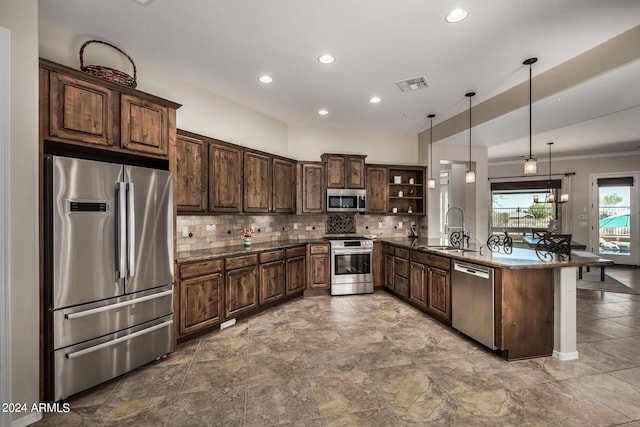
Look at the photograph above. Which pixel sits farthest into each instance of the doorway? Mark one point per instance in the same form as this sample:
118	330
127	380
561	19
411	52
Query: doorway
614	216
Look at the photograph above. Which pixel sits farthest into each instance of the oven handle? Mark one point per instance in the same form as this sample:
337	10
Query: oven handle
117	340
351	251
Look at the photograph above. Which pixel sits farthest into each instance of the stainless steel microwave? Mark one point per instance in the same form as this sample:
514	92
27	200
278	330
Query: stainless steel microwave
347	200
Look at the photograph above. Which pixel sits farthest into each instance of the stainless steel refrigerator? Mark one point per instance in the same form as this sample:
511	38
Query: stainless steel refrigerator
108	283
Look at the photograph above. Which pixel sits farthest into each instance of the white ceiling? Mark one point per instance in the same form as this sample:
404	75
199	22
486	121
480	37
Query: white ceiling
224	46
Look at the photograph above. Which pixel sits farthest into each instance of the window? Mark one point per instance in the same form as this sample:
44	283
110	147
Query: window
514	210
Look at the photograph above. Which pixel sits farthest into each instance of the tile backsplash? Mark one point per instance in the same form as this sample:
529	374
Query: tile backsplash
194	232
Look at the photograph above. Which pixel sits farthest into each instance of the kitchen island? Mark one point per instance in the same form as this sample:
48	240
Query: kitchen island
534	300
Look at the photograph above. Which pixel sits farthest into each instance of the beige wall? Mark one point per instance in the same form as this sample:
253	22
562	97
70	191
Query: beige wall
580	183
212	115
21	17
308	143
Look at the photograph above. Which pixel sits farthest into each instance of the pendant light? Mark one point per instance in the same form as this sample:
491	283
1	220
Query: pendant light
431	182
531	164
551	198
470	175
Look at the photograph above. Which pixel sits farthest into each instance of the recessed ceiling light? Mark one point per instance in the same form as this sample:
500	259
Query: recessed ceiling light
144	3
456	15
265	79
326	59
375	100
323	112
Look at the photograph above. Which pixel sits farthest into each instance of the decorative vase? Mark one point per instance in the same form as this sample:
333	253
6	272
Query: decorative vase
247	241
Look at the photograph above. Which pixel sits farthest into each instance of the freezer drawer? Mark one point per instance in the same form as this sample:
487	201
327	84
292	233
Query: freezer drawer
88	321
88	364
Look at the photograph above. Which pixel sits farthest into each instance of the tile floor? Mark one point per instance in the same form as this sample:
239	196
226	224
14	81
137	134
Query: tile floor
372	360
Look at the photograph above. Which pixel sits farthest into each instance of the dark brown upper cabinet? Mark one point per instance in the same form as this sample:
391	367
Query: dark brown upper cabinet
257	183
310	188
225	178
284	186
344	171
81	109
377	190
190	175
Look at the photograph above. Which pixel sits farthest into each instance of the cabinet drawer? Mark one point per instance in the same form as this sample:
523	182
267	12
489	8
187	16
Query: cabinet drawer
439	261
318	249
200	268
389	250
431	260
402	267
402	253
299	251
240	261
271	256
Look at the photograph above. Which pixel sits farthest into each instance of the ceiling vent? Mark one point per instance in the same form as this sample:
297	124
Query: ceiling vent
415	83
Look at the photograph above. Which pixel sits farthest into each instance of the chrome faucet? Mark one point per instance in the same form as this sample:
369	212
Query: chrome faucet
446	218
460	236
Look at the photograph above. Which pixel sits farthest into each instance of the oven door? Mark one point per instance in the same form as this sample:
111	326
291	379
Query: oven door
351	265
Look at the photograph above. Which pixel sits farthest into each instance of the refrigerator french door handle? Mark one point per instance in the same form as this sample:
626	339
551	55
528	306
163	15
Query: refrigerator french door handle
121	188
117	340
132	230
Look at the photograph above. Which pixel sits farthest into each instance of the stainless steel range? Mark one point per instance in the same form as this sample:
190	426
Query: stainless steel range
351	263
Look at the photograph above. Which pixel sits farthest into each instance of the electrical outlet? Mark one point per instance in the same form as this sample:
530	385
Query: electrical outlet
185	231
399	224
295	225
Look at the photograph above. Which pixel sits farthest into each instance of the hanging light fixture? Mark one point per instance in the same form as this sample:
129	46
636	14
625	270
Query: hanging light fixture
431	182
470	175
531	164
551	198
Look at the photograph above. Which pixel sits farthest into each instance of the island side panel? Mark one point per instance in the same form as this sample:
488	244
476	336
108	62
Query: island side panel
527	313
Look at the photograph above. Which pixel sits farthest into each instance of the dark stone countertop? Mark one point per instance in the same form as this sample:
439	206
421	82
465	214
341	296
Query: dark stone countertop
520	258
225	251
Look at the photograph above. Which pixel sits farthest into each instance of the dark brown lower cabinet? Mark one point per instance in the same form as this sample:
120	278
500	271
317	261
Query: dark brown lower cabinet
418	284
440	293
241	294
319	267
388	271
272	276
201	302
296	270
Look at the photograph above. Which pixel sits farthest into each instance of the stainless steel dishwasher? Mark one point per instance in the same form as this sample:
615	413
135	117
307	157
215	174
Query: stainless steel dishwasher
472	303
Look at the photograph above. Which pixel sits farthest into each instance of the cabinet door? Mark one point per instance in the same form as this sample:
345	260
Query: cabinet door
225	179
389	271
354	172
201	302
319	271
80	111
257	183
418	284
440	293
296	277
335	172
284	186
272	281
190	177
144	126
377	190
312	188
241	290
